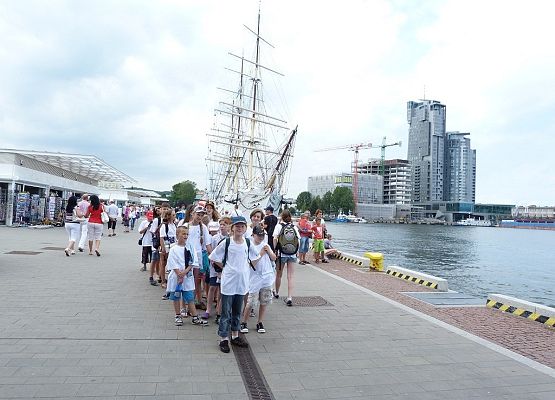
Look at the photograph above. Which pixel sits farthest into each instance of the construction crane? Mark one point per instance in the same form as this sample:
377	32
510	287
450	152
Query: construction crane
383	146
355	148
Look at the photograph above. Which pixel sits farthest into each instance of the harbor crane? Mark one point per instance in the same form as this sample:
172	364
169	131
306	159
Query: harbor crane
356	148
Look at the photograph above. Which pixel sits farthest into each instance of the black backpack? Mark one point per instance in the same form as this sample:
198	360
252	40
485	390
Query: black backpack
227	242
156	235
288	241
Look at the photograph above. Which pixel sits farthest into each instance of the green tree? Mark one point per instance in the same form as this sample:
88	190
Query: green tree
183	193
342	199
327	203
303	201
315	204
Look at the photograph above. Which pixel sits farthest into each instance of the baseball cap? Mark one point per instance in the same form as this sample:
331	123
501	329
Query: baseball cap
269	208
238	220
258	230
200	209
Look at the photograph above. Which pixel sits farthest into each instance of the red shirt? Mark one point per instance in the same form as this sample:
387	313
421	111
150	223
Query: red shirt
318	231
305	227
95	215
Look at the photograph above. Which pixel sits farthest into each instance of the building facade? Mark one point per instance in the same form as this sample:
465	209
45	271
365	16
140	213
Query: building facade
426	149
396	179
460	168
370	187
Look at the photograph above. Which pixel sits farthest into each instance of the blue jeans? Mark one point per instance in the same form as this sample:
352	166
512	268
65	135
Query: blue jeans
303	247
232	305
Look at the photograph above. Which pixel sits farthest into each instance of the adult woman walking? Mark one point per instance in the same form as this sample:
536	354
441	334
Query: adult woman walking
95	224
72	219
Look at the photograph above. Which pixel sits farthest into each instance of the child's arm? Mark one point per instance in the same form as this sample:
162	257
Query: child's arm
270	253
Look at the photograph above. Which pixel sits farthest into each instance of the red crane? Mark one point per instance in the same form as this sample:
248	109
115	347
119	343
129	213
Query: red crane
355	148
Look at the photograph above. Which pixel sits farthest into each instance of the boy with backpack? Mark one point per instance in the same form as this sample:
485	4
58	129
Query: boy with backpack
235	256
286	242
181	283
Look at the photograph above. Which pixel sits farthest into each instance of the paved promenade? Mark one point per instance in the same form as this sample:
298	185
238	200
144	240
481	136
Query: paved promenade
92	328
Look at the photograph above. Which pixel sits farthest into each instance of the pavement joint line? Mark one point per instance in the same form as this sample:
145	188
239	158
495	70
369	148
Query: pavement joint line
486	343
89	339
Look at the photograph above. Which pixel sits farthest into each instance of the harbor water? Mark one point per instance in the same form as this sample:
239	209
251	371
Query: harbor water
474	260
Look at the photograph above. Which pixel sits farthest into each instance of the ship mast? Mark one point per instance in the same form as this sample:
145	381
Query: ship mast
256	81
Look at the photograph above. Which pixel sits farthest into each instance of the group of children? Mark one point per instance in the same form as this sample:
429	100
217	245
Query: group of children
204	254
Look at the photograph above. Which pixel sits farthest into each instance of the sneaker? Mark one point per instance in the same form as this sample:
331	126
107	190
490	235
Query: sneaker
224	346
184	313
253	313
325	261
166	296
260	328
143	268
217	320
239	342
199	321
80	249
289	301
244	328
205	315
152	281
306	262
276	295
178	320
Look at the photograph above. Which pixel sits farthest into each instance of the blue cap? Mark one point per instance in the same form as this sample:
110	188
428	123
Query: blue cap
238	220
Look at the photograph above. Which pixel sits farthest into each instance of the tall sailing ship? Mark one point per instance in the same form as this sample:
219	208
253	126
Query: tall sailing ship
250	146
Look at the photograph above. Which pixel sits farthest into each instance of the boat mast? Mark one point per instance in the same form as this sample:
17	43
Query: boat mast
256	81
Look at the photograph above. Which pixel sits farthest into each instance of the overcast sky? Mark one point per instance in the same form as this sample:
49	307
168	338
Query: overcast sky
134	82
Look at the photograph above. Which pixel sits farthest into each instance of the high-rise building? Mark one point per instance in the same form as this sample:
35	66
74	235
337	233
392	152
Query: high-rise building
460	168
396	179
426	150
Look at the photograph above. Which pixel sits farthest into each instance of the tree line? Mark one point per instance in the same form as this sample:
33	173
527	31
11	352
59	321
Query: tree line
184	193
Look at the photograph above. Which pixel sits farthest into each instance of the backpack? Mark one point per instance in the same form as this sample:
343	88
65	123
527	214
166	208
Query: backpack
227	242
288	242
156	235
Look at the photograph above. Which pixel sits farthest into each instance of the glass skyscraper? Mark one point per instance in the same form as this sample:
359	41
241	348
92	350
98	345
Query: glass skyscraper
426	150
460	168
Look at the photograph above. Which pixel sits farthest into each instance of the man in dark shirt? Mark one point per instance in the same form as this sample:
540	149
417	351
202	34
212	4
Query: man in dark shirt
270	222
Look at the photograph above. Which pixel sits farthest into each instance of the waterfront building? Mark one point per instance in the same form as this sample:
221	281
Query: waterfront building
34	185
460	169
370	187
534	212
426	149
396	179
455	211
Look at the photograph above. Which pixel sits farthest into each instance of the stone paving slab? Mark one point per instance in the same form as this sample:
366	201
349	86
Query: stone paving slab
91	327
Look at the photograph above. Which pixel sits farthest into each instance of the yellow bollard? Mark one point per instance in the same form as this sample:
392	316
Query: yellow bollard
376	260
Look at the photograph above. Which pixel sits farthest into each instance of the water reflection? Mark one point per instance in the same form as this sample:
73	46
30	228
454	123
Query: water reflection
475	260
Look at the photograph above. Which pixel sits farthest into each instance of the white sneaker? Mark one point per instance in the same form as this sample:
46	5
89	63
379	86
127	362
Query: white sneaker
244	328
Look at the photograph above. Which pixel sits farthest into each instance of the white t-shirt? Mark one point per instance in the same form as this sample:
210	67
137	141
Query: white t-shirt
169	237
235	275
216	239
147	237
264	275
176	260
194	239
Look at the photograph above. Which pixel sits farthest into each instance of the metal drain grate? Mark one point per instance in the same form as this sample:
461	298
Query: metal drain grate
310	301
255	383
52	248
24	253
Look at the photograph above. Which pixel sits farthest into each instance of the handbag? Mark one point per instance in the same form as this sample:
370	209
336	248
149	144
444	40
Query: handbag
104	217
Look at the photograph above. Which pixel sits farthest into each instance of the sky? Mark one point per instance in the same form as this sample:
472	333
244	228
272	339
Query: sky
135	82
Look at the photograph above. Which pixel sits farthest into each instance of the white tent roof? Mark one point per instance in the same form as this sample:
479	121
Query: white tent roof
85	165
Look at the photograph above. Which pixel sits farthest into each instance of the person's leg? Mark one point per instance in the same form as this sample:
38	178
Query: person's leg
198	293
225	319
210	297
154	266
290	280
90	246
236	308
83	239
279	273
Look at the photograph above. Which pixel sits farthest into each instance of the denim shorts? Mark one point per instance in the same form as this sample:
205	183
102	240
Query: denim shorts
285	258
188	296
214	281
155	255
303	246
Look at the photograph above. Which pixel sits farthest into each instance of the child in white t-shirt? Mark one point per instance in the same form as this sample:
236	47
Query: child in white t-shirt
181	283
261	281
235	280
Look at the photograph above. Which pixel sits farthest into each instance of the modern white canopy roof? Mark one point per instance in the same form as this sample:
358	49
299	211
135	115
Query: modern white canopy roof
85	165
